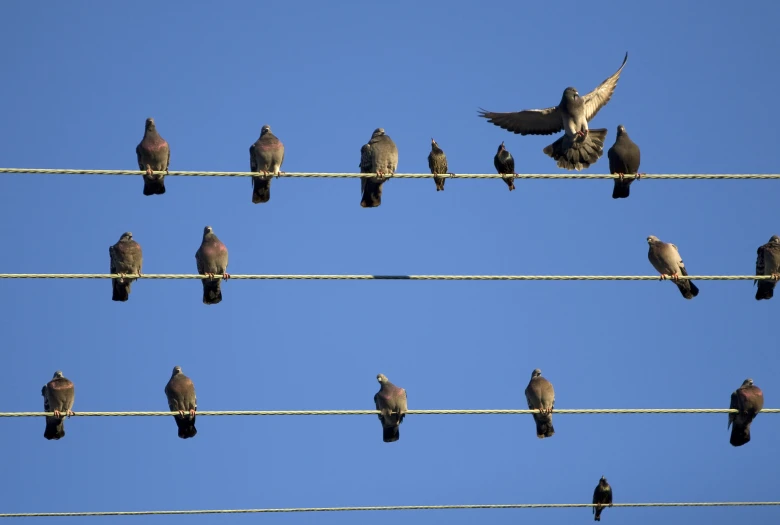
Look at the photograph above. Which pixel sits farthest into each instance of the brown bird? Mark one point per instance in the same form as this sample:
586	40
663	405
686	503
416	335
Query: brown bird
126	258
602	496
180	392
58	395
391	403
749	400
212	258
768	263
437	162
540	395
153	154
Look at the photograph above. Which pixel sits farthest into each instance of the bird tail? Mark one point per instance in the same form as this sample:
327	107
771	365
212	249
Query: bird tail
154	184
510	181
544	426
261	189
121	290
577	153
212	291
622	188
439	183
390	434
55	427
372	193
186	426
740	434
597	511
766	289
687	288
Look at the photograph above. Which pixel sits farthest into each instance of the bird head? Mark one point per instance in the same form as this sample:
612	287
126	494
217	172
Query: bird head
621	129
570	94
176	370
207	230
775	239
377	132
149	124
603	480
747	382
127	236
651	239
381	378
57	374
536	373
501	147
265	129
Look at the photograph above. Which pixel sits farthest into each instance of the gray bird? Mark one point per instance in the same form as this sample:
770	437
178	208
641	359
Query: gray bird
58	395
505	165
212	259
602	497
667	261
768	263
579	147
180	392
391	402
540	395
266	155
623	158
380	157
437	162
126	258
153	154
749	400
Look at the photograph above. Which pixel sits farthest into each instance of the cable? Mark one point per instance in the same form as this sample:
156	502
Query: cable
419	412
398	507
57	171
388	277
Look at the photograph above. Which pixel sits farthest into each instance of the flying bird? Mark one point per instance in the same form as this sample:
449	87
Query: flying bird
768	263
180	392
437	162
667	261
58	395
379	156
153	155
265	155
126	258
602	497
579	147
391	403
540	395
212	259
623	158
505	165
749	400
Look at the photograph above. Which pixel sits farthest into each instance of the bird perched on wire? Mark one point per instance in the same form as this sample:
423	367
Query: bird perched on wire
505	165
180	392
212	258
391	403
437	162
768	263
667	261
153	154
540	395
748	399
58	395
602	497
623	158
379	156
126	258
579	147
265	155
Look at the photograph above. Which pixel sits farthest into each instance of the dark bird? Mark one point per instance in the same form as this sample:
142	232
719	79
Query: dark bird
579	147
212	259
391	403
58	395
540	395
768	263
153	155
602	497
667	261
266	155
437	162
505	165
379	156
749	400
126	258
623	158
180	392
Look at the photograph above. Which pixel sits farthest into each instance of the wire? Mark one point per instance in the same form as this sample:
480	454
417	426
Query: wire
398	507
387	277
419	412
57	171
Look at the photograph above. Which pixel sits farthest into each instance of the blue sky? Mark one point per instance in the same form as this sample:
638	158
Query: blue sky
80	80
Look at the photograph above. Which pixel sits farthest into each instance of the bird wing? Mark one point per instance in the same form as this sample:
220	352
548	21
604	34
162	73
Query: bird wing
598	98
527	122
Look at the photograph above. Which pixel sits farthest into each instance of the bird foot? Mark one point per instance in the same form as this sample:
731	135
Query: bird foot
149	171
209	275
776	276
166	171
380	177
674	277
639	176
452	175
663	277
121	277
181	412
280	173
581	133
57	413
620	176
71	413
225	276
192	412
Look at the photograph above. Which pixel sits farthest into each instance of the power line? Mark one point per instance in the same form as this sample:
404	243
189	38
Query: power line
581	176
386	508
410	412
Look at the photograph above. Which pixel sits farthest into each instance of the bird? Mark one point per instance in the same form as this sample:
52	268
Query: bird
153	154
602	496
505	165
749	400
437	162
58	397
212	259
579	147
768	263
391	403
623	158
265	155
180	392
540	395
380	156
126	258
667	261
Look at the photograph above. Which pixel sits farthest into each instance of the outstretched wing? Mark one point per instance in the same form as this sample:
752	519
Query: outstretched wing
598	98
527	122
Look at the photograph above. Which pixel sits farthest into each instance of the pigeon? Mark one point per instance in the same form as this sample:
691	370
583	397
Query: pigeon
579	147
749	400
505	165
623	158
379	156
391	403
58	398
540	394
126	258
602	496
265	155
768	263
212	258
180	392
437	162
153	155
666	259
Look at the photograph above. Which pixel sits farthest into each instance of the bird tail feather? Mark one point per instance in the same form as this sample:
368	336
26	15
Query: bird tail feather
578	153
544	426
622	188
740	434
154	184
261	189
390	434
439	183
372	193
55	428
212	291
186	426
766	290
121	290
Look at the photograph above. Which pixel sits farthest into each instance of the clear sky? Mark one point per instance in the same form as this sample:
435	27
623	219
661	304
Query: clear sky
696	95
